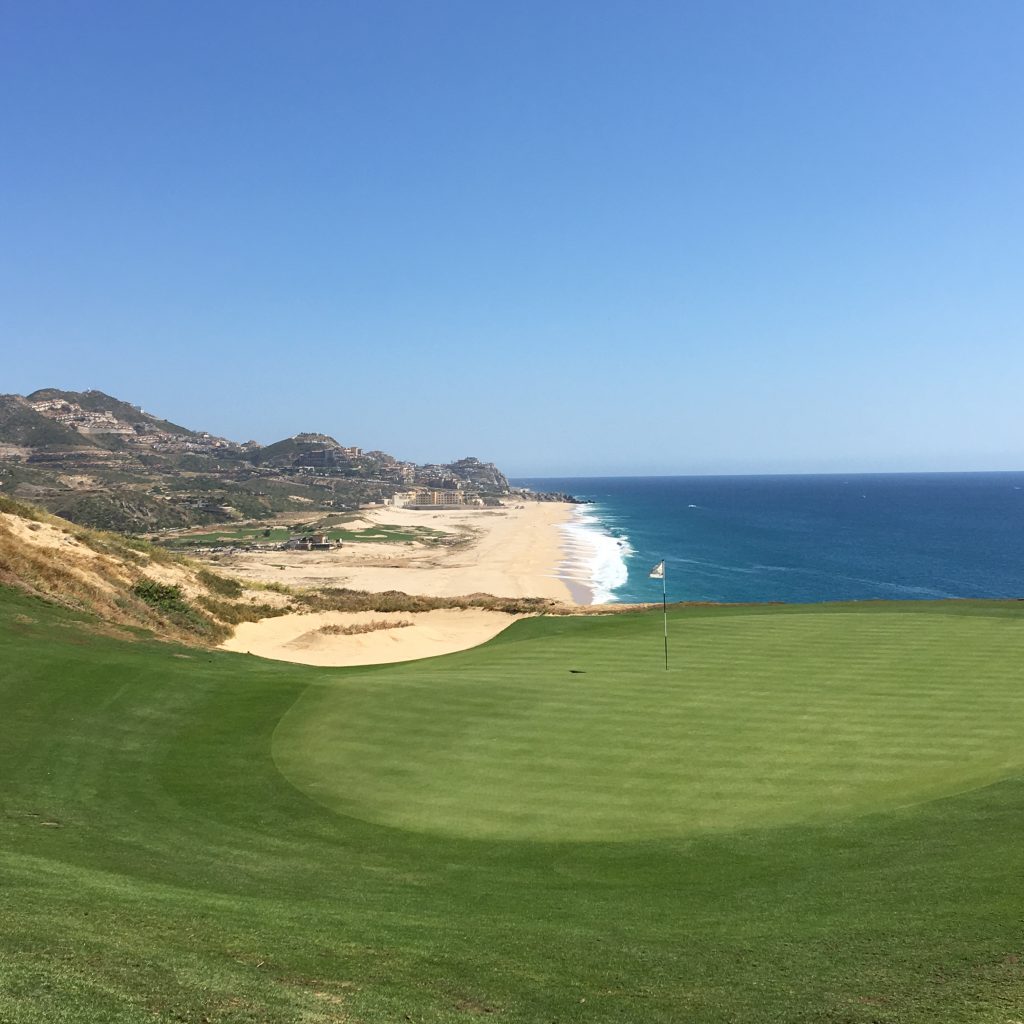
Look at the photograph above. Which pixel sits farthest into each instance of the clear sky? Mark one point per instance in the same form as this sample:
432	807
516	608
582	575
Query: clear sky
571	236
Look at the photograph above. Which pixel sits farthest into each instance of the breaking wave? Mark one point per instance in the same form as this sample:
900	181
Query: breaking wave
595	557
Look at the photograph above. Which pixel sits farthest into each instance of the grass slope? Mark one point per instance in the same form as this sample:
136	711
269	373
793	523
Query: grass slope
157	866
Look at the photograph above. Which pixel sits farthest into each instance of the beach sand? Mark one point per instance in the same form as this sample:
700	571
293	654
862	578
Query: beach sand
506	552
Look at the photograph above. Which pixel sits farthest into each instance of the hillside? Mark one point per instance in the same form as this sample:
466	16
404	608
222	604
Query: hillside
21	425
100	461
286	452
98	402
123	582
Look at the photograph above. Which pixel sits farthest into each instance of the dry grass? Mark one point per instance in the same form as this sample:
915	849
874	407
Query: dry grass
107	575
339	599
232	613
364	627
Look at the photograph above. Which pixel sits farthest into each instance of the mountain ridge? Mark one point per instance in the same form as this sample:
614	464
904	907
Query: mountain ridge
99	461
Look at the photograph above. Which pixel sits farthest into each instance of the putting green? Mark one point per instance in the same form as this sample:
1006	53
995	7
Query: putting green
571	730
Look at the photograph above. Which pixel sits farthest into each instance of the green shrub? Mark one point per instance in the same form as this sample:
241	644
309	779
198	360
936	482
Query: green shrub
221	585
168	600
165	597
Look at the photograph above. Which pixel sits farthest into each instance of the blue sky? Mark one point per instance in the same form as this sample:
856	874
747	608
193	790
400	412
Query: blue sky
572	237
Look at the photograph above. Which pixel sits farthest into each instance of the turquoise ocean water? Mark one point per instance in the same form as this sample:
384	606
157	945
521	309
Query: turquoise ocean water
797	538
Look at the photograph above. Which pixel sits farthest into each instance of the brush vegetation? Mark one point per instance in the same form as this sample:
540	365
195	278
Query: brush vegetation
340	599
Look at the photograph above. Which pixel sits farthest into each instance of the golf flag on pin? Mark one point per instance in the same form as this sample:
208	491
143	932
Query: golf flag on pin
658	573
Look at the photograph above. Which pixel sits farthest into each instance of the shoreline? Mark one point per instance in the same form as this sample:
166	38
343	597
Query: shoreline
595	557
582	591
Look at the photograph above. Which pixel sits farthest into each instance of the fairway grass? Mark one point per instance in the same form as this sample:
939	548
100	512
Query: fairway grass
233	536
815	816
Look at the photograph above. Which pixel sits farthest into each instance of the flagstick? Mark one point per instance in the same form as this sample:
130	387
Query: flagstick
664	610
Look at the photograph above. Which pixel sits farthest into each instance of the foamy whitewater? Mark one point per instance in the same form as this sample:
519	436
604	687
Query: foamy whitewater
596	555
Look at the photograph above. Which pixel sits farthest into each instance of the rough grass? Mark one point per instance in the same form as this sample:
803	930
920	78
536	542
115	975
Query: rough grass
232	613
20	508
156	866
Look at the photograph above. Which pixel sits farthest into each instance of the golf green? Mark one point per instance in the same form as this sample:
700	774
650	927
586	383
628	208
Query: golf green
572	730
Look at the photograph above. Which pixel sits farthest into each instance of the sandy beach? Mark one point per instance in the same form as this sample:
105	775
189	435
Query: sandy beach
507	552
515	551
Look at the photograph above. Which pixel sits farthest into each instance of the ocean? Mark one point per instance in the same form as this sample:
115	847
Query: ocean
796	538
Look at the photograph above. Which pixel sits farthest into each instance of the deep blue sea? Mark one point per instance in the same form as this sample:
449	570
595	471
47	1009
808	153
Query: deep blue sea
797	538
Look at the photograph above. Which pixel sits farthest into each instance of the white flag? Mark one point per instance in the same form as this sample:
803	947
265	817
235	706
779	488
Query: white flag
658	572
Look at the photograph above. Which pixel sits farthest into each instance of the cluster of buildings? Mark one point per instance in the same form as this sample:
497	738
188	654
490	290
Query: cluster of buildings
391	469
207	444
374	464
314	542
82	420
326	458
89	422
439	478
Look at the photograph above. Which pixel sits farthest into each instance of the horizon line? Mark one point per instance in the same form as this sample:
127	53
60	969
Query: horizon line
857	473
